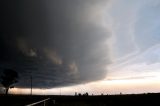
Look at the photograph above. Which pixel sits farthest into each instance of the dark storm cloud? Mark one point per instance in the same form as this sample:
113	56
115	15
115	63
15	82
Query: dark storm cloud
53	41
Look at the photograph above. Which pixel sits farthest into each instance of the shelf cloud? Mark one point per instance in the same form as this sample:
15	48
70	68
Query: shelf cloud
58	42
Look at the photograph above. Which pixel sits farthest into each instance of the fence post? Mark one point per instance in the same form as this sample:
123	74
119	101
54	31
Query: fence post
44	103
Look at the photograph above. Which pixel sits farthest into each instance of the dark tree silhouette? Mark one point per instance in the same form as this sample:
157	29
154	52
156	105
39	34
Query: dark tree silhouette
8	78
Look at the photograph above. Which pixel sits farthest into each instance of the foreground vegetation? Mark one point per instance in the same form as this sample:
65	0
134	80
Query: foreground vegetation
151	99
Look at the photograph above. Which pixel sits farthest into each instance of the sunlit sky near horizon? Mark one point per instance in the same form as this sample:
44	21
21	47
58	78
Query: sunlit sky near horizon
130	39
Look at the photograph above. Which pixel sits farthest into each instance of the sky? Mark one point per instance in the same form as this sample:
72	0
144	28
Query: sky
95	46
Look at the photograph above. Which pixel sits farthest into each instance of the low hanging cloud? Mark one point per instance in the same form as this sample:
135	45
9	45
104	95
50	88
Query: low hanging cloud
53	56
25	49
55	41
73	68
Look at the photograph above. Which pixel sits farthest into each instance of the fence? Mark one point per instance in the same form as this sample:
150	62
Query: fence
39	103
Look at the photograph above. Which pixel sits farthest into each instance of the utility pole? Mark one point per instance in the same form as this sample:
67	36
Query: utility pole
31	84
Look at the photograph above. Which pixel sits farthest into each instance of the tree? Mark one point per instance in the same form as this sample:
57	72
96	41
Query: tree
8	78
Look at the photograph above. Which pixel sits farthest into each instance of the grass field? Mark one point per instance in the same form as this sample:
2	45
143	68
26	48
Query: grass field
151	99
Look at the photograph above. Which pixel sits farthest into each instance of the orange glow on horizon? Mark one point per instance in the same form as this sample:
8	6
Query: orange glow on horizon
106	87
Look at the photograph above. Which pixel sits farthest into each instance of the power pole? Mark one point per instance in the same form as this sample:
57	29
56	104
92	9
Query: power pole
31	84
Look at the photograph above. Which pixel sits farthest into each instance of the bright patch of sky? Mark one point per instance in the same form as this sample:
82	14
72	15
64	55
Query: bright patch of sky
136	35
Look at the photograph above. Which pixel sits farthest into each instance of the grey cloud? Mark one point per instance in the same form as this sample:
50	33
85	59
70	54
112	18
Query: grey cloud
53	56
25	49
58	46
